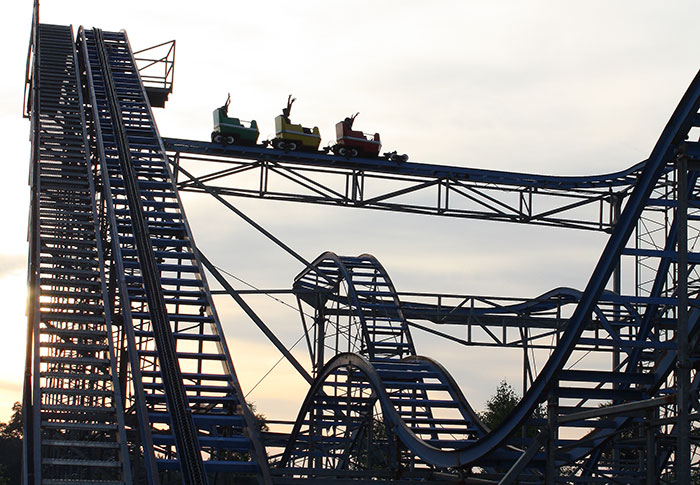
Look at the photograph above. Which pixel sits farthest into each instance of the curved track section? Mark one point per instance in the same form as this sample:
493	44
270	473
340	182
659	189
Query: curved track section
670	143
649	348
338	289
360	309
356	406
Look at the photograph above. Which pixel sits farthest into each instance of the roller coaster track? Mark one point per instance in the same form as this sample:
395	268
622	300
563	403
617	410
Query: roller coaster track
585	202
623	178
356	308
644	372
129	378
189	401
499	317
381	331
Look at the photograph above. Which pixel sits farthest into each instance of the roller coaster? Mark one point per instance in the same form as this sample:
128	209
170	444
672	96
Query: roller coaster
128	375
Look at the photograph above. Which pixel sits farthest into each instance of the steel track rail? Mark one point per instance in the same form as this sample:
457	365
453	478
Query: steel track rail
408	187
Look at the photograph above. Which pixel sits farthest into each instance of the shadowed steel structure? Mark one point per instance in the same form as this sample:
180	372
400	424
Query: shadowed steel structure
131	380
607	348
417	188
128	375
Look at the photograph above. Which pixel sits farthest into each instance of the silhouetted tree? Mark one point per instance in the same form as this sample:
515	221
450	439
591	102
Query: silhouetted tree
11	448
502	404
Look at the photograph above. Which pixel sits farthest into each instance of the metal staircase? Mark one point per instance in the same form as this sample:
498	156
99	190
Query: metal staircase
77	410
192	420
131	380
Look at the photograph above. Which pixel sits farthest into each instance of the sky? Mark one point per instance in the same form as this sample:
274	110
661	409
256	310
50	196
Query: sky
552	87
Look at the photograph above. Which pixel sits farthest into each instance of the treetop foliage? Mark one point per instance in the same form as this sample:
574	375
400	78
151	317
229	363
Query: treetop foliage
499	406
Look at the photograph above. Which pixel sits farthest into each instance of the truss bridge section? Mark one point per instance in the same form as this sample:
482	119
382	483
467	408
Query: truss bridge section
589	203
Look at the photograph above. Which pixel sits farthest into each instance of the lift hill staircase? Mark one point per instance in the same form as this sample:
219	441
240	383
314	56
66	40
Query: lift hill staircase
77	420
131	376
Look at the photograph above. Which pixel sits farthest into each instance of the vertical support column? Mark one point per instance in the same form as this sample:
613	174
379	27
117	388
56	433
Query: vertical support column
650	429
33	260
526	364
551	471
320	337
176	167
617	283
682	464
264	171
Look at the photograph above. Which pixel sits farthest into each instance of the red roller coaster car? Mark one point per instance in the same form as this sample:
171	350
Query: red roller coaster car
353	143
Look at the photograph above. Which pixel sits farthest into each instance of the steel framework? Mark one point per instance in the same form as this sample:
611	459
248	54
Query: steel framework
570	202
128	376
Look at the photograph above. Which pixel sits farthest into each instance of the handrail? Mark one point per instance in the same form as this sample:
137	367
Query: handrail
164	80
29	69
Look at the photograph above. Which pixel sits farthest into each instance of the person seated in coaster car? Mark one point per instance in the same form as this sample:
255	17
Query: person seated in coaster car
352	143
289	136
228	131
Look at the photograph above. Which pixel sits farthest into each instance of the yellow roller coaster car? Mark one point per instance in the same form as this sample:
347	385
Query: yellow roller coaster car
289	136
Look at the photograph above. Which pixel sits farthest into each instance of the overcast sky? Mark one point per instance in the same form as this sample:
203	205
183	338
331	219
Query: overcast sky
543	87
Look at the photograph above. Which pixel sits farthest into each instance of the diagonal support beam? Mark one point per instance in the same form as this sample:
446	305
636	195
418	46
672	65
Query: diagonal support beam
250	221
525	458
253	316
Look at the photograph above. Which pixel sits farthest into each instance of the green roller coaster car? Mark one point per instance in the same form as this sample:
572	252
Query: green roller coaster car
228	131
289	136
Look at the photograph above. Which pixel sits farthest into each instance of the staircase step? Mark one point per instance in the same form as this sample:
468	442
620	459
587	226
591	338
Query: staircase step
78	426
80	463
77	481
77	409
80	444
212	466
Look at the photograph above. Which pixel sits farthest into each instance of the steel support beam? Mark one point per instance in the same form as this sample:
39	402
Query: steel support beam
253	316
683	365
617	409
512	475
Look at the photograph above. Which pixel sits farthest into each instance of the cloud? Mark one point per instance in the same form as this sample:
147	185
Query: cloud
12	263
10	386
